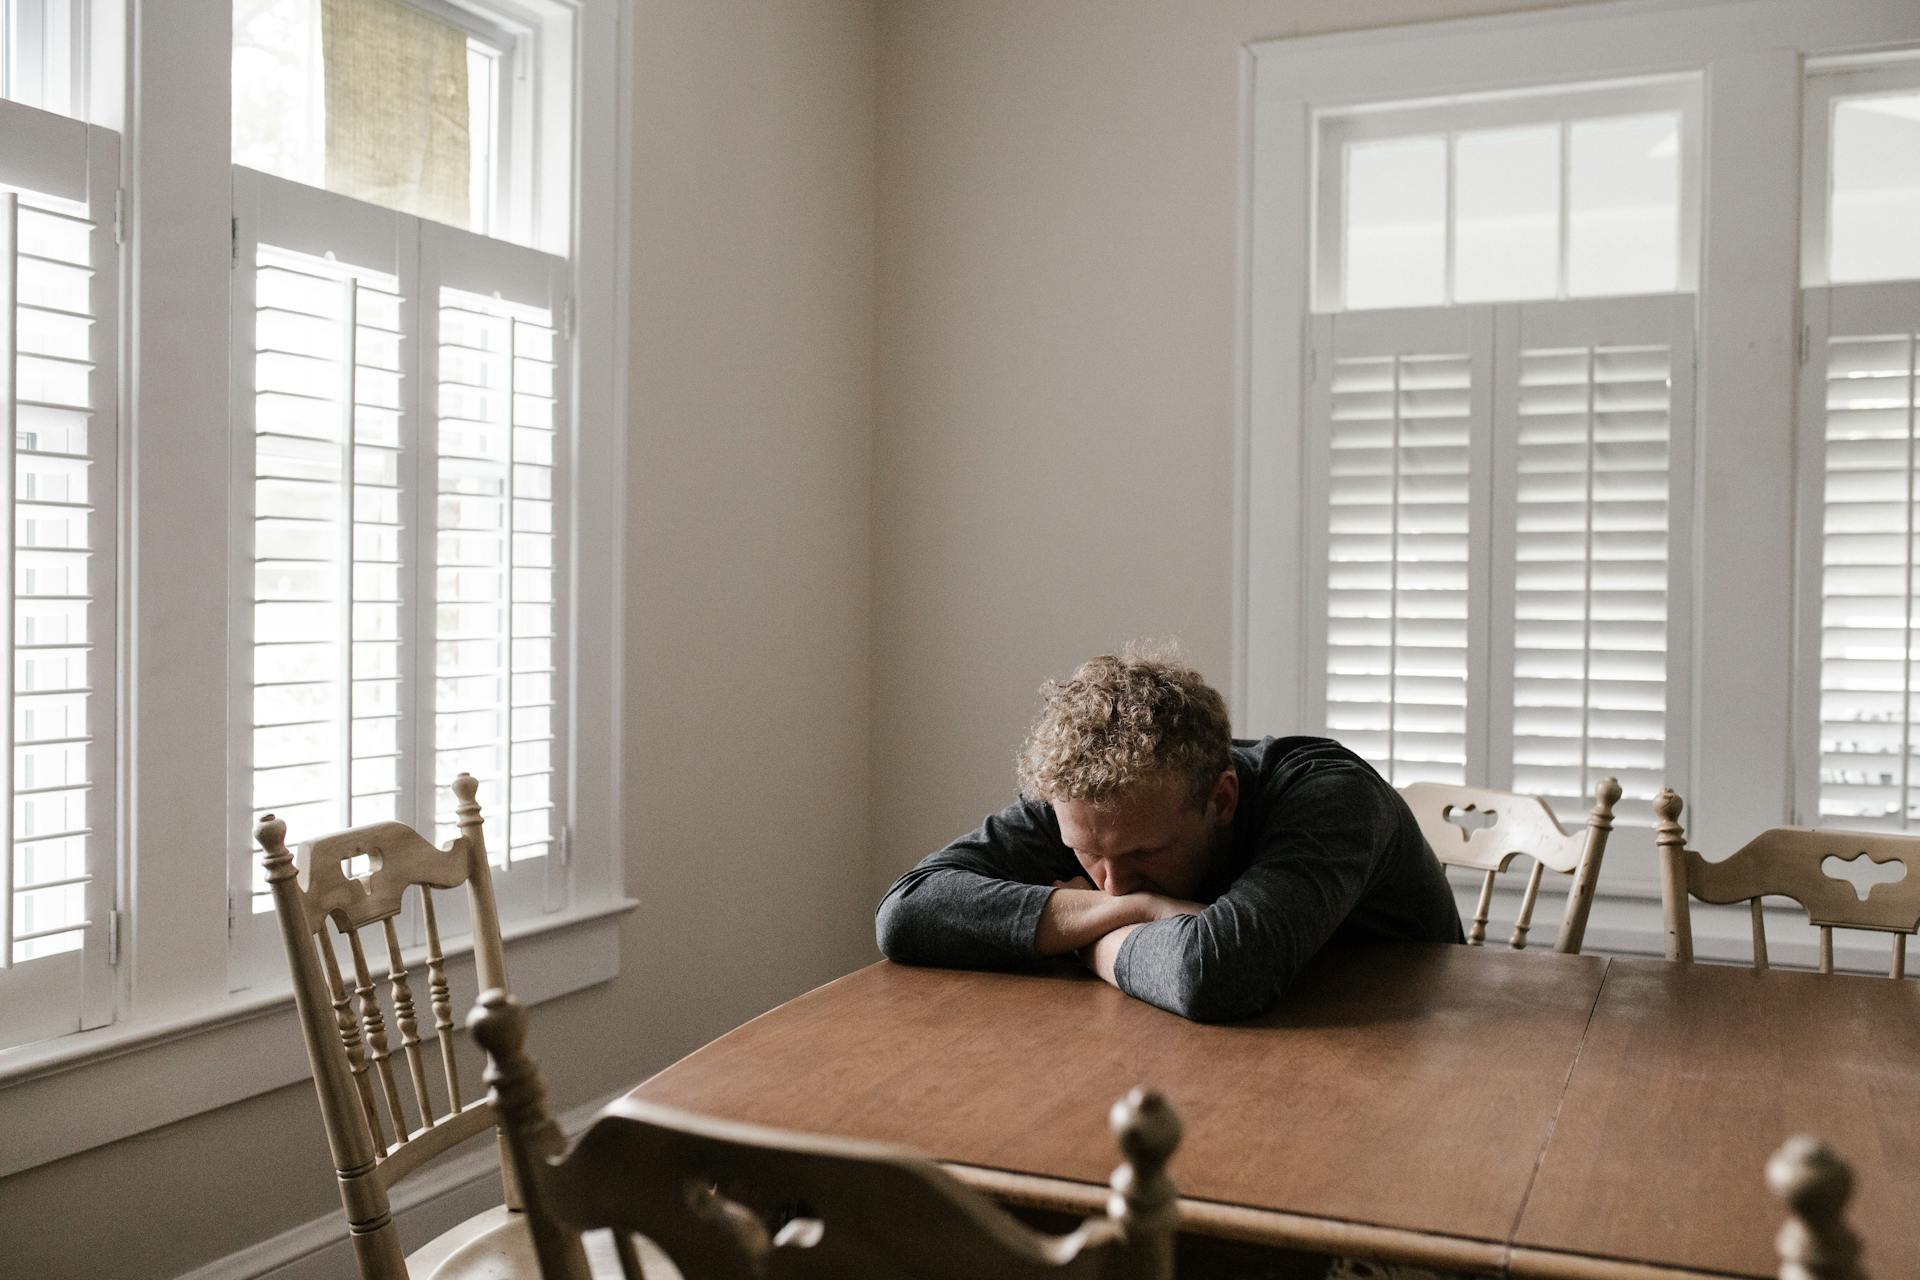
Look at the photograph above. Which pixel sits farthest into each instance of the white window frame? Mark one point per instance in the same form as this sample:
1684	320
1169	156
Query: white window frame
174	1016
1750	55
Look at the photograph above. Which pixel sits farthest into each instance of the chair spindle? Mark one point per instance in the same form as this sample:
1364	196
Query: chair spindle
1478	934
1826	948
629	1256
403	1018
1144	1200
442	997
1898	969
1759	934
1815	1243
350	1037
373	1026
1524	921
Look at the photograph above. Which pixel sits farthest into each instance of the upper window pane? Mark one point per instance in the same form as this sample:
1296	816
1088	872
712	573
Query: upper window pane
1623	205
39	47
1396	228
1875	189
1506	213
381	100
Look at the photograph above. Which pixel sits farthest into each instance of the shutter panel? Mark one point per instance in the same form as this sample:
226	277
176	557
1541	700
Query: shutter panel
1867	402
498	482
1587	430
327	539
1400	397
58	292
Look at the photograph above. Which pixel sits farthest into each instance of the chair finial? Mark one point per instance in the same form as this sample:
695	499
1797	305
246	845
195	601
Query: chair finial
1143	1200
1667	805
1608	793
1815	1243
465	787
271	836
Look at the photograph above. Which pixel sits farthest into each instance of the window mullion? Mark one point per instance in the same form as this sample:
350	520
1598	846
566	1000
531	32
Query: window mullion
9	236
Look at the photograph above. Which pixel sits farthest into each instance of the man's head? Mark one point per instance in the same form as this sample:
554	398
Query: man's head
1133	752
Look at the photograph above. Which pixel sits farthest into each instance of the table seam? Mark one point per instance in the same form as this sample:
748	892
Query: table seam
1553	1122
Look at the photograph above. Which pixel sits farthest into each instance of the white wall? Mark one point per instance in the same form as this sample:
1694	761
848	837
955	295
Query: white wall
746	647
1054	435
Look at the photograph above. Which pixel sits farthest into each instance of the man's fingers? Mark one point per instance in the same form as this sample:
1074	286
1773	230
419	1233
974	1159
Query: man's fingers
1078	882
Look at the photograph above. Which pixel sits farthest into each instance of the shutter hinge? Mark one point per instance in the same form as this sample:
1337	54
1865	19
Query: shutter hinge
1806	343
113	939
233	232
120	215
1313	365
567	320
566	846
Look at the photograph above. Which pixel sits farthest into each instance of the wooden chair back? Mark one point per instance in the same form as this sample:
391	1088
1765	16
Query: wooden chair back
1788	862
727	1201
377	1099
1815	1243
1486	830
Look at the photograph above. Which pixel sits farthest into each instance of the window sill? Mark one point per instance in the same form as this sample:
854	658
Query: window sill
68	1095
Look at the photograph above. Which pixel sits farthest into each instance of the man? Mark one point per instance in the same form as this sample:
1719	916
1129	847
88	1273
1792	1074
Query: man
1191	870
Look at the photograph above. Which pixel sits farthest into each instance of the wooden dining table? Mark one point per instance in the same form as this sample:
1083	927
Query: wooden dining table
1532	1115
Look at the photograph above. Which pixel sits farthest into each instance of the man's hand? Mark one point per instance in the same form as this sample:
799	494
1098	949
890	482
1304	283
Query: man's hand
1077	915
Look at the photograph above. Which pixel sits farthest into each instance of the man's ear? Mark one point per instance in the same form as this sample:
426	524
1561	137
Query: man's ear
1225	797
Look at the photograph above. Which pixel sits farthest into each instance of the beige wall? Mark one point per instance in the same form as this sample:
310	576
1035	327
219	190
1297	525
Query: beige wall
747	607
1054	435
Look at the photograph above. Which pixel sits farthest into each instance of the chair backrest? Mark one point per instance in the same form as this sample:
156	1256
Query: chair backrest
1816	1243
1486	830
363	1082
728	1201
1788	862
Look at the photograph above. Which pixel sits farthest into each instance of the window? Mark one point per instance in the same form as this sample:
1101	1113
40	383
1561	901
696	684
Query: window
1480	457
417	105
1858	419
42	54
397	391
58	307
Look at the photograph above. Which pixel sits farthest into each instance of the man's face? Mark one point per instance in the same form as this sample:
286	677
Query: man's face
1155	838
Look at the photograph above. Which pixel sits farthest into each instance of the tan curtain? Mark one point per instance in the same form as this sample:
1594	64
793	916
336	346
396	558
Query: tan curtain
397	108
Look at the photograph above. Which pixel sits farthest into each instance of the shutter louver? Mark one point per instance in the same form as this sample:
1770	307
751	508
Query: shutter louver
1397	572
1591	442
328	546
496	621
61	596
1867	600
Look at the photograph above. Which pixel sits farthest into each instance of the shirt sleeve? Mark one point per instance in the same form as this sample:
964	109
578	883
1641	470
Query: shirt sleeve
977	902
1309	868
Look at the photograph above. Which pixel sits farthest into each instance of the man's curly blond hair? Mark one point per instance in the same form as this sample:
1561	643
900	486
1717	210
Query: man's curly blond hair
1123	720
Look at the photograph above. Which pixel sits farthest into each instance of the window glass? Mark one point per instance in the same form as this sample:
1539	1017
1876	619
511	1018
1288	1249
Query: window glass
1875	188
1506	212
1623	205
38	48
1396	223
375	99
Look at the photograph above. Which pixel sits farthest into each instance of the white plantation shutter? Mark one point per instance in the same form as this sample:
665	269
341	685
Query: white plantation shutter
1401	402
1859	415
58	356
1478	464
323	503
498	466
1593	424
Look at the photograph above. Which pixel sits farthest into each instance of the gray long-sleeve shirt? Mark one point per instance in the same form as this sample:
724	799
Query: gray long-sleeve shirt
1322	848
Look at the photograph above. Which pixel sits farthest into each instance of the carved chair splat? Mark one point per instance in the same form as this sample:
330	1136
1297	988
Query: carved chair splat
1486	830
364	1095
711	1194
1788	862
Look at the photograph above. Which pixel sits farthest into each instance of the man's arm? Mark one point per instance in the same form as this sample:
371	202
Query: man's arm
1310	869
1004	894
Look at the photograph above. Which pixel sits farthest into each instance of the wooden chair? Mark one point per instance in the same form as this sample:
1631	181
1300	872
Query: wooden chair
727	1201
1788	862
1815	1243
1502	825
363	1079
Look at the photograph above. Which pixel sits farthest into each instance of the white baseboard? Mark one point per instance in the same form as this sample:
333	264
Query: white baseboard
436	1199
